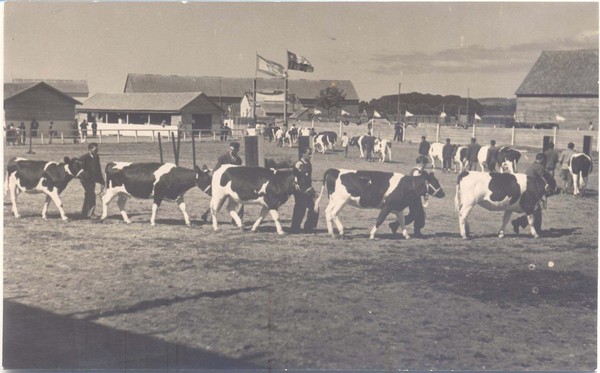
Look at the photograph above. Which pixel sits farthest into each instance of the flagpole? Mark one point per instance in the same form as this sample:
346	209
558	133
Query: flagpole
254	92
285	92
467	107
399	88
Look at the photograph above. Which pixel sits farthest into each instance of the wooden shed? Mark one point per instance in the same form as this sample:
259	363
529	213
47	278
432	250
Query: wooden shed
192	109
562	87
228	93
24	102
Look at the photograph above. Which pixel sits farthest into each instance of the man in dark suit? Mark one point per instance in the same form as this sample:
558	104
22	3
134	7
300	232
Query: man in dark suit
304	199
92	174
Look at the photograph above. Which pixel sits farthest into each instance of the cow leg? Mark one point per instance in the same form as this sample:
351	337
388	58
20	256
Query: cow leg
233	207
505	220
334	211
56	199
186	217
155	206
45	208
275	216
106	198
462	220
121	202
215	206
531	220
575	177
383	213
13	196
401	225
263	212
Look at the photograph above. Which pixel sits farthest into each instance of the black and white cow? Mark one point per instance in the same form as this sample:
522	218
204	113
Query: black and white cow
325	140
500	192
158	181
266	187
580	167
363	142
460	158
387	191
383	147
50	178
509	157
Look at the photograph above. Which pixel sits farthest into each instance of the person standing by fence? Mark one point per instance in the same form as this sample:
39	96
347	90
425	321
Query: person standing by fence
447	151
75	131
33	127
345	142
492	156
50	132
472	152
565	174
22	134
83	126
424	147
398	129
94	127
551	158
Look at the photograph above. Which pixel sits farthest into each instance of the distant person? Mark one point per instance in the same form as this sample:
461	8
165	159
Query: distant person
551	158
345	142
398	130
94	127
565	173
472	152
75	131
83	127
447	151
22	134
33	127
304	200
424	147
492	156
591	126
50	132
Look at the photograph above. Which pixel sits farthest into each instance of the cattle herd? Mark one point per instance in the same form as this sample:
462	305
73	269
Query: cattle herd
270	188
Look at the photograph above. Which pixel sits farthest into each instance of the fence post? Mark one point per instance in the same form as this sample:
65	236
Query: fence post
214	136
42	137
136	137
100	136
473	131
437	133
152	135
555	135
199	136
512	137
118	136
62	138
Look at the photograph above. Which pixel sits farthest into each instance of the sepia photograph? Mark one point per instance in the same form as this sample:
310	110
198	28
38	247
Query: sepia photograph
300	186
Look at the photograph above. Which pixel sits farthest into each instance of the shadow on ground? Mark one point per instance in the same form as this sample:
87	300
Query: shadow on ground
38	339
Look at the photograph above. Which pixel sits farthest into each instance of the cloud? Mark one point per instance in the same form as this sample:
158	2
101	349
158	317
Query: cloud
477	58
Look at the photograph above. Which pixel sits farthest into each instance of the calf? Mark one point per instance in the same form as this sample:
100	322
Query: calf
580	167
387	191
364	143
383	147
268	188
500	192
50	178
154	180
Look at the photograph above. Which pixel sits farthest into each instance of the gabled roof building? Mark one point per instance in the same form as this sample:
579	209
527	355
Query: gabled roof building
561	84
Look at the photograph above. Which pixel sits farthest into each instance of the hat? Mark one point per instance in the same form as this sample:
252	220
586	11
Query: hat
423	137
540	157
235	145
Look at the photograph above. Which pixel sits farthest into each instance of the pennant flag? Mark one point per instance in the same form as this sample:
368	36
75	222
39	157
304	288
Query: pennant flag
443	115
408	114
376	114
560	118
297	62
477	117
269	67
344	112
316	111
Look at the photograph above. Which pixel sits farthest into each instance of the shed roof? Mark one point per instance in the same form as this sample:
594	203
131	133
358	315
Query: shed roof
70	87
572	72
12	90
149	102
214	86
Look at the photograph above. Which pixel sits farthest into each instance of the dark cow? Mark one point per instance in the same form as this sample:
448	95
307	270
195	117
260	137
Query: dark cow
580	166
325	140
363	142
509	157
154	180
500	192
50	178
268	188
387	191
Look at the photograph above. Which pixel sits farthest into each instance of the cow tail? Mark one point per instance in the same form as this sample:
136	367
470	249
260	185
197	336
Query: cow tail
10	168
318	200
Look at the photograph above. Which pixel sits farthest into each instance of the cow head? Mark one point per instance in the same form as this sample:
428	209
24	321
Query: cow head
74	167
433	186
204	179
550	187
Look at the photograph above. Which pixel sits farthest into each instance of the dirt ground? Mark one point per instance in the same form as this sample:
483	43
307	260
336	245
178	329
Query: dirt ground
85	295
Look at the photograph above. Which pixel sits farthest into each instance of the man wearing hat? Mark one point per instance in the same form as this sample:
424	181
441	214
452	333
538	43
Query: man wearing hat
416	211
424	147
231	157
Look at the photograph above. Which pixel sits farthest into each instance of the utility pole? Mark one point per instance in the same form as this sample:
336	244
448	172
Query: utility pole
399	89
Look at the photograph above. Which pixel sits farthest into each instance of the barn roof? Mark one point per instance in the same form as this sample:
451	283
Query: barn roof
214	86
563	73
150	102
12	90
70	87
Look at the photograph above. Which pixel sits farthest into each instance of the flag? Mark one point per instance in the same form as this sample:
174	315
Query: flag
408	114
443	115
316	111
477	117
376	114
297	62
269	67
560	118
344	112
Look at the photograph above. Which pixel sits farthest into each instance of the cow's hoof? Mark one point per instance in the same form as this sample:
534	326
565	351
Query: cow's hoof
536	236
66	220
217	230
465	237
282	233
129	222
501	235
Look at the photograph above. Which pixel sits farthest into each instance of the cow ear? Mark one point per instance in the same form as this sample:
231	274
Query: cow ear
205	168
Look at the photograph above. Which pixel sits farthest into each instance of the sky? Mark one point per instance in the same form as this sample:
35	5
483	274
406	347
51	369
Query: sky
483	49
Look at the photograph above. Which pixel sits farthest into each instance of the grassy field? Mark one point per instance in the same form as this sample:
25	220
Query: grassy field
108	295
